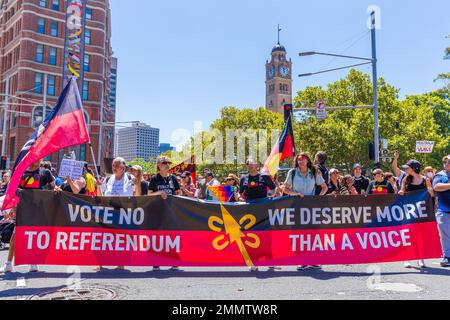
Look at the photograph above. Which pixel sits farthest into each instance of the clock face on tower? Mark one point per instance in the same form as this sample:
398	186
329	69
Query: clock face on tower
271	72
284	71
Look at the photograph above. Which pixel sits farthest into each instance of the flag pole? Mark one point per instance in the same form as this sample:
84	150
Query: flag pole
93	159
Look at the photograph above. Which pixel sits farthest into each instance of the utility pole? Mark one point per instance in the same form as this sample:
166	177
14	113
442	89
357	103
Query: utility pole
100	135
375	90
44	108
5	117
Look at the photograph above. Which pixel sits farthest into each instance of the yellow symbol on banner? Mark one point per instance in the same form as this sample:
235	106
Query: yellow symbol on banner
235	235
379	189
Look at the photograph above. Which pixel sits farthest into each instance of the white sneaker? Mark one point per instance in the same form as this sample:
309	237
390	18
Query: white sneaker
274	268
421	264
7	268
408	265
156	269
253	269
175	269
34	268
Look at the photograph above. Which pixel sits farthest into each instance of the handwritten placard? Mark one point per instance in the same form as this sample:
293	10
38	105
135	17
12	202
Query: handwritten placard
71	168
424	146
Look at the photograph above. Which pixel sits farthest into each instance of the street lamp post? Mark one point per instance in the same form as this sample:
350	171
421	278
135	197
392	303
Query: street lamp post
373	61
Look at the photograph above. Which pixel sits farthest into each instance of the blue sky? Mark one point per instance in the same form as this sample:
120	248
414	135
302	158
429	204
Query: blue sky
182	61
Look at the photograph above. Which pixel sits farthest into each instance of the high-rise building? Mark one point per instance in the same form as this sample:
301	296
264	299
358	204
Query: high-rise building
164	147
138	141
32	39
278	80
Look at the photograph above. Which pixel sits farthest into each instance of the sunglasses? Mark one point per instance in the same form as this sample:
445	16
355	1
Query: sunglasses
166	163
445	162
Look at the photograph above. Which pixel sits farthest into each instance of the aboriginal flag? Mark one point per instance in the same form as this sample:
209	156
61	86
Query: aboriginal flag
188	165
64	127
283	149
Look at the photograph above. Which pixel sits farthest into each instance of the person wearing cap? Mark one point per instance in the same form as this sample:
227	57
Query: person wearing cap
441	185
233	181
379	185
164	183
360	182
141	186
187	187
414	181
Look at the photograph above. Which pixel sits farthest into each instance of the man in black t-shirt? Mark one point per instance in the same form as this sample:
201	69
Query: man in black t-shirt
361	183
254	185
163	183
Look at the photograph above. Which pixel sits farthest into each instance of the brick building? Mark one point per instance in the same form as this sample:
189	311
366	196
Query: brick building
32	37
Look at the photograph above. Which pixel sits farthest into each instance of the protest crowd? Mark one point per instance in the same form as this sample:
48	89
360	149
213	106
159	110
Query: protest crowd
309	177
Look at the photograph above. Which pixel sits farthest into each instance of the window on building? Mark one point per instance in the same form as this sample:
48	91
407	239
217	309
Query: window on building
38	83
52	59
87	60
51	85
38	116
41	25
54	29
55	5
43	3
40	53
87	36
89	13
85	90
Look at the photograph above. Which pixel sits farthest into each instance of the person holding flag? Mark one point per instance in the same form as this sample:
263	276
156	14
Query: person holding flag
64	127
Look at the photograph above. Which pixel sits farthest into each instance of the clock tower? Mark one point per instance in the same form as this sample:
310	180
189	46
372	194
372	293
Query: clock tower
278	80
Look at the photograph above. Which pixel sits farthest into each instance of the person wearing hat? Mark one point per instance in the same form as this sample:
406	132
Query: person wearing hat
441	185
187	187
164	183
360	182
141	186
412	182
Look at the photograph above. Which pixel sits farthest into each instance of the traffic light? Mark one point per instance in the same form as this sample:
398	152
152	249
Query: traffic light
371	151
288	111
3	162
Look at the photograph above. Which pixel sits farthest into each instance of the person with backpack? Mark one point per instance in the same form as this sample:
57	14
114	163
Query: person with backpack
302	181
441	185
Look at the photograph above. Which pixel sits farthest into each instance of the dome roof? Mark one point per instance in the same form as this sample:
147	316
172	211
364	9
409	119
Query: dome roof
278	47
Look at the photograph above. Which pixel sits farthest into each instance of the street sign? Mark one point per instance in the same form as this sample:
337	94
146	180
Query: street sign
321	111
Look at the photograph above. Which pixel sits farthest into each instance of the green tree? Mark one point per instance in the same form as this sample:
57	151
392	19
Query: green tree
345	134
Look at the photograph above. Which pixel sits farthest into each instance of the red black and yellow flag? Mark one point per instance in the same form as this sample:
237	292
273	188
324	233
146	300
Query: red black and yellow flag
283	149
188	165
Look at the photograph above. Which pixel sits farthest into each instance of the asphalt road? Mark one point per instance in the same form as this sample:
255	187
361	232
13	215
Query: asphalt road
385	281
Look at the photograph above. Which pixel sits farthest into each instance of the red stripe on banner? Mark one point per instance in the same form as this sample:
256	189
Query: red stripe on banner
91	247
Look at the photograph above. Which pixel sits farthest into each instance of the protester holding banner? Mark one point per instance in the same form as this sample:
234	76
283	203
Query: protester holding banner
119	184
392	180
304	178
361	183
163	183
302	181
441	186
32	179
233	181
347	186
254	186
415	181
380	185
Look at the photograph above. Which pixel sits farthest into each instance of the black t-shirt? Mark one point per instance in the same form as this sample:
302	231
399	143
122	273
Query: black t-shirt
361	184
326	176
384	187
255	187
169	184
332	187
67	188
144	188
414	187
36	180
